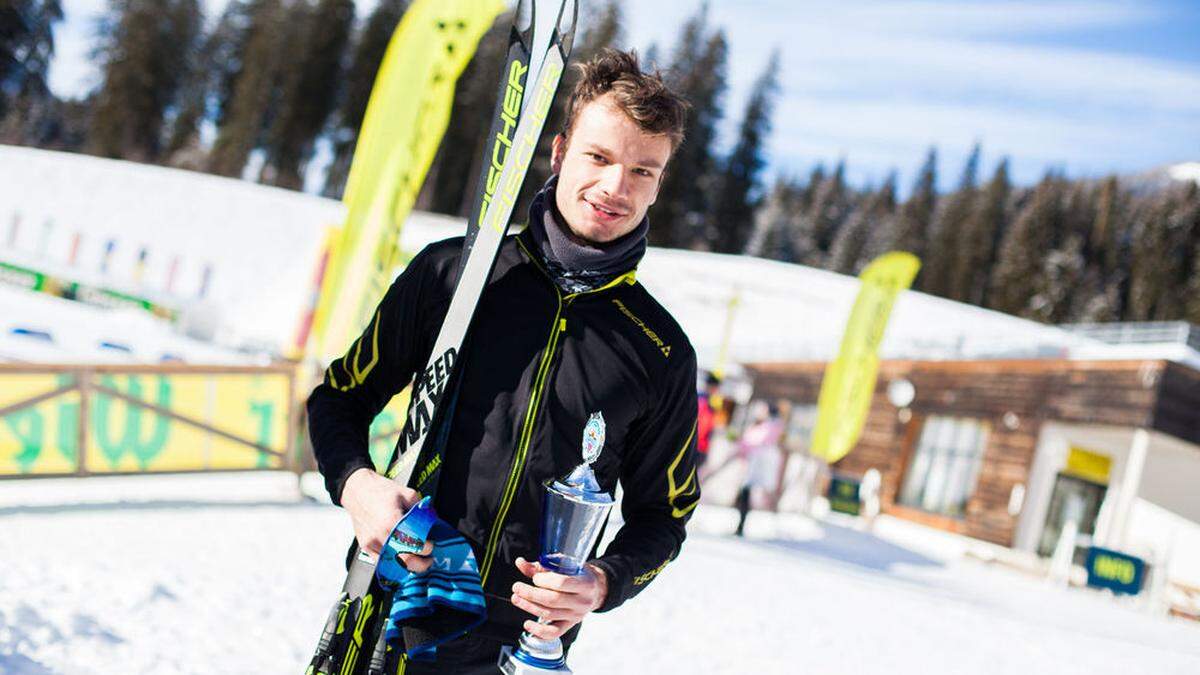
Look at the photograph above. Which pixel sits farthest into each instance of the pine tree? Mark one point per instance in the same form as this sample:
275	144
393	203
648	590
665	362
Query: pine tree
946	233
847	254
368	52
182	147
225	47
979	241
1148	274
1065	286
208	72
1058	282
1104	239
1191	310
1164	235
910	231
1079	216
698	73
50	123
1191	286
1101	223
1079	213
1183	233
145	61
733	217
309	89
769	238
801	229
827	205
245	110
1017	274
26	49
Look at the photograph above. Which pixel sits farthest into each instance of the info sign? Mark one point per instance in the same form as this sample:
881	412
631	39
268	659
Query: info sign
1116	571
843	495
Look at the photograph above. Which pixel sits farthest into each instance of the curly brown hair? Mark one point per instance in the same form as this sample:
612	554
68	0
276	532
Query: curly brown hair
642	96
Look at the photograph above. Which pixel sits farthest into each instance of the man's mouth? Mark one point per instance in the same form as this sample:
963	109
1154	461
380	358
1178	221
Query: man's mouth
603	210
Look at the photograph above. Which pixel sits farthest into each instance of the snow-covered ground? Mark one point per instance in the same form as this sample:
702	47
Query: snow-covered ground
234	574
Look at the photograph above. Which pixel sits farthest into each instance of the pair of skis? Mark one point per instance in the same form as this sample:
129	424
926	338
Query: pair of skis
353	642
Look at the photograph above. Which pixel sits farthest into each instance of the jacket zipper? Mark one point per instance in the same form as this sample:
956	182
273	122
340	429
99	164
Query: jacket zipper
558	327
510	487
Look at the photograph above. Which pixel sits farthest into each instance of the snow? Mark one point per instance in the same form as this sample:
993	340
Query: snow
788	312
235	573
1185	171
261	243
76	332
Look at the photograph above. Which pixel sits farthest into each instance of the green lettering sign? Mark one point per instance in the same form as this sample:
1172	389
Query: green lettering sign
265	411
115	439
28	426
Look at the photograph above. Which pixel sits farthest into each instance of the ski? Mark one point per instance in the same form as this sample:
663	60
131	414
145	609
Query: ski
355	623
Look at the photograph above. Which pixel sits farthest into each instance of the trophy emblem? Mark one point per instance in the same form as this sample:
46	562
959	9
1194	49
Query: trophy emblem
593	438
575	506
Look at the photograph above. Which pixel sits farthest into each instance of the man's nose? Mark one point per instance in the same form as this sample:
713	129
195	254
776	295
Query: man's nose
613	180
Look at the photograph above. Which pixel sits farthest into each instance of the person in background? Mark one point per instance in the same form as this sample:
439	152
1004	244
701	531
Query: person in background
759	446
707	419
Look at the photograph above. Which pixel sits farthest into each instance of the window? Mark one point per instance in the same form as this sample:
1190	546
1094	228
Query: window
798	434
945	465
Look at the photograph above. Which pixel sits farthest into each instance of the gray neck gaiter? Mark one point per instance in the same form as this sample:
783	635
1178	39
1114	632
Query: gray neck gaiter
578	266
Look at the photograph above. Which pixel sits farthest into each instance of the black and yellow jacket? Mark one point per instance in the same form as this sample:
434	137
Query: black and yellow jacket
537	364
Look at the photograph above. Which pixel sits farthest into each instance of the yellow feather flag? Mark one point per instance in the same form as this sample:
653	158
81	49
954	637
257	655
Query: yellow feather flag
402	128
849	380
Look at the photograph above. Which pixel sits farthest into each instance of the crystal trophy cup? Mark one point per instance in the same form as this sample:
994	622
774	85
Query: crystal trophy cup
573	511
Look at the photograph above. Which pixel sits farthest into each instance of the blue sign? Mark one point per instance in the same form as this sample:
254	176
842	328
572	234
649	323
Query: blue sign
843	495
1116	571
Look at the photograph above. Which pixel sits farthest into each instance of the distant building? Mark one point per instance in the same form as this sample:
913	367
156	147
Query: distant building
1009	450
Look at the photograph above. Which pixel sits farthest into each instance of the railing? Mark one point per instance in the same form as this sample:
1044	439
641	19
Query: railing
79	420
1148	332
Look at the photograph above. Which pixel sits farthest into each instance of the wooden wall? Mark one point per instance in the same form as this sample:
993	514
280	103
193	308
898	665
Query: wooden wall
1014	398
1177	411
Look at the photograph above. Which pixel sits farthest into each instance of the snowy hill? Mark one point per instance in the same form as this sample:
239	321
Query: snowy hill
260	246
1185	172
1163	177
224	252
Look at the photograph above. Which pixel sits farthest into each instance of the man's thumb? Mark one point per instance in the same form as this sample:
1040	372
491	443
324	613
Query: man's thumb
527	568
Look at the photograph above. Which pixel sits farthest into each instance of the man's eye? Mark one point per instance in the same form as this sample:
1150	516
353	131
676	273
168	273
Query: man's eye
595	157
642	172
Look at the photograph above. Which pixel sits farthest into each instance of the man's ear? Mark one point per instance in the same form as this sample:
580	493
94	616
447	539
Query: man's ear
558	149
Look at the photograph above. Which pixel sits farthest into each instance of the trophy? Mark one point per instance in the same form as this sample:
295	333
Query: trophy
574	508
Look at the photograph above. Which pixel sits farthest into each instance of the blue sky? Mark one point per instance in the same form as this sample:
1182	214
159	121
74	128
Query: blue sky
1089	87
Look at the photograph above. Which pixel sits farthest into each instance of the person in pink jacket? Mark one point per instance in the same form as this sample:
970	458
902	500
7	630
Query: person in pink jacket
759	446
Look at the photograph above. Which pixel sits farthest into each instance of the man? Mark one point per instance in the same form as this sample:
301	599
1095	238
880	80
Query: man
562	331
706	421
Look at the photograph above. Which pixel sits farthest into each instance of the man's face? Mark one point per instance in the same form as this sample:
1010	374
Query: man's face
609	172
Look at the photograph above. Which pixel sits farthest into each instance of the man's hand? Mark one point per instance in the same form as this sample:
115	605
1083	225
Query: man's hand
375	505
561	599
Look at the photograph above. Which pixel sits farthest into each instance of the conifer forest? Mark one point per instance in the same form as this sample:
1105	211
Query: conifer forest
255	91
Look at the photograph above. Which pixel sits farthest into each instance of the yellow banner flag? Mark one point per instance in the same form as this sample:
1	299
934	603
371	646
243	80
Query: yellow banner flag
849	380
403	126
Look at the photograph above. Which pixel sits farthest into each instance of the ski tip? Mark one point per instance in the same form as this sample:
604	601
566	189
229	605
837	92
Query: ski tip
566	32
524	17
